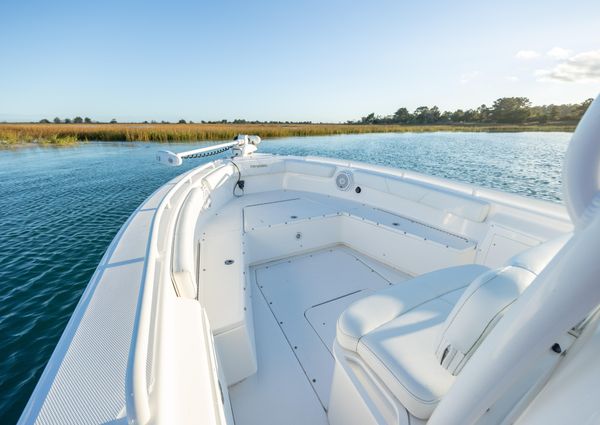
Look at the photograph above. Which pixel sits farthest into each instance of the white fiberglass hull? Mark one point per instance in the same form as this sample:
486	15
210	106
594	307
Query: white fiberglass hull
139	346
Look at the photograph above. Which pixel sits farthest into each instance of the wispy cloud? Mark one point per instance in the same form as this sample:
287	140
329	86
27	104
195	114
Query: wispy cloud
467	77
558	53
582	68
512	78
527	54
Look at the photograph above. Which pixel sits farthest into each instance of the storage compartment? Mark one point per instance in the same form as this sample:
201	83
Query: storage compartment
224	292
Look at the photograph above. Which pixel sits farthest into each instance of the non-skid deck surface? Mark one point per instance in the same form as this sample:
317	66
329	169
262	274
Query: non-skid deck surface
296	304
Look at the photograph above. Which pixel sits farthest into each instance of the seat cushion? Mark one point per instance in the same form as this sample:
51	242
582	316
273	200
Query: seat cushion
463	206
480	307
395	331
370	312
401	353
537	258
486	300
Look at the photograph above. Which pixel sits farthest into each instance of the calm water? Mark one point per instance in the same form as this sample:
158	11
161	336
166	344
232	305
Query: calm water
61	207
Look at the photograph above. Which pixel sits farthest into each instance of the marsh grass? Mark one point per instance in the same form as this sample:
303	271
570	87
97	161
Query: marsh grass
10	136
58	140
58	134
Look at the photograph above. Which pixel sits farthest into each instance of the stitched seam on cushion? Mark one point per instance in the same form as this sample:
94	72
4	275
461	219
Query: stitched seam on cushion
480	337
437	400
522	265
492	277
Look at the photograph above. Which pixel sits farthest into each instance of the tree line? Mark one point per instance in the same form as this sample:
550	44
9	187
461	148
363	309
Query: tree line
76	120
506	110
86	120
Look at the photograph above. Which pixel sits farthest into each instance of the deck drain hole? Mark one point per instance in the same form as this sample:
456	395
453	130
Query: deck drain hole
229	262
395	224
293	217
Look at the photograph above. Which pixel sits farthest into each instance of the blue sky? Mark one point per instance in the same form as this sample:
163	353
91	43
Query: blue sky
283	60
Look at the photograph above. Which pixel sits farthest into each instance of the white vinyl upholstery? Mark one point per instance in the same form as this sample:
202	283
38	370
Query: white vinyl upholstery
463	206
371	312
535	259
394	331
417	335
486	300
476	313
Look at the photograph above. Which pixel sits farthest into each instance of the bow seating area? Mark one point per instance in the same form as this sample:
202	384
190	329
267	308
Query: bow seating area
411	339
349	296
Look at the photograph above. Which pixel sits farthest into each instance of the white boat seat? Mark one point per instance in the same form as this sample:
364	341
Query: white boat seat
486	300
417	335
395	330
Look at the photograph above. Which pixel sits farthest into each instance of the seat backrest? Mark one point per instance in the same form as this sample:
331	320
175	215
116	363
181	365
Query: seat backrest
486	300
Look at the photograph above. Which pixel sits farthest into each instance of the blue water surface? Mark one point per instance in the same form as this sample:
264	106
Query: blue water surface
61	206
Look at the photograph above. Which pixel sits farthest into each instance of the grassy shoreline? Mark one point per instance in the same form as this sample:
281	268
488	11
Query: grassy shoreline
66	134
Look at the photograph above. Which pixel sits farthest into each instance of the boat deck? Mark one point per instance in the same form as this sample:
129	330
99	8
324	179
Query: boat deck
296	303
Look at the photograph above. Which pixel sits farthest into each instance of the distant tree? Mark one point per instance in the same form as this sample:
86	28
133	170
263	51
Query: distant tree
56	120
44	121
470	115
68	121
457	116
426	115
113	121
420	114
553	112
402	116
78	120
446	117
434	114
512	110
87	120
182	121
369	119
583	106
483	113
